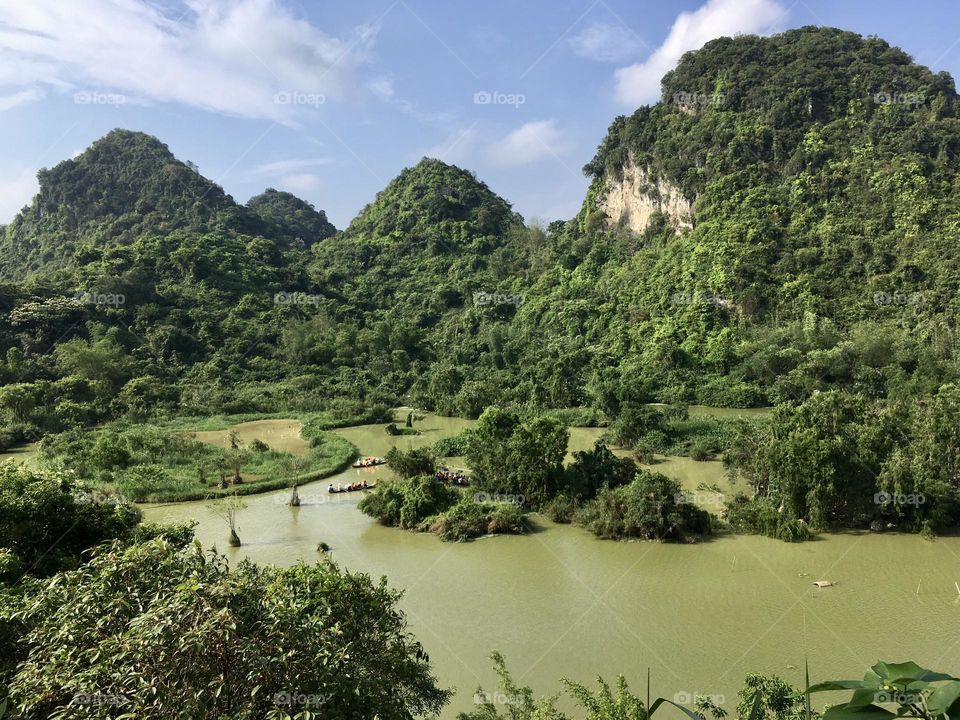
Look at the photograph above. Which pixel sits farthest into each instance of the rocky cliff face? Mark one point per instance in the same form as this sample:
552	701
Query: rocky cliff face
632	201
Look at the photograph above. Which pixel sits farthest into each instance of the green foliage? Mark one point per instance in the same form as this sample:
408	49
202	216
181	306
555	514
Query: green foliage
290	219
758	516
842	459
893	690
407	503
469	519
651	507
148	462
157	633
592	470
49	518
512	457
412	463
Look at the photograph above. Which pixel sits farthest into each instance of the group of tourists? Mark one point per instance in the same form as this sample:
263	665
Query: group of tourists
454	477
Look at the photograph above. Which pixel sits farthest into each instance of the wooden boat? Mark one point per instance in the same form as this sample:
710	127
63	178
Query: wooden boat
368	462
350	488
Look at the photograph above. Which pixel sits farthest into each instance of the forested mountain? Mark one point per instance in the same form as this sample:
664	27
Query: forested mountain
289	219
782	222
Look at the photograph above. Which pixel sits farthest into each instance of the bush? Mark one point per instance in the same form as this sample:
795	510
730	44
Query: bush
407	503
470	519
758	516
412	463
452	446
651	507
560	509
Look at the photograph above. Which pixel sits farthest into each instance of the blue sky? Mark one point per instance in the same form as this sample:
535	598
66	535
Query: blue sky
331	100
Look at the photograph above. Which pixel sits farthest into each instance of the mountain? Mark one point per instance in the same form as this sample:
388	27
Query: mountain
781	223
289	219
127	185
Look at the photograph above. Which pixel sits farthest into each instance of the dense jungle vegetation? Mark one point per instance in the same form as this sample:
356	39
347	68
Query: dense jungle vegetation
820	276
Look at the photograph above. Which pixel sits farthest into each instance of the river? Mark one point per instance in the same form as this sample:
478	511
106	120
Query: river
560	603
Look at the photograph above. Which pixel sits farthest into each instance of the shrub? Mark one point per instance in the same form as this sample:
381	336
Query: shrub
560	509
652	507
758	516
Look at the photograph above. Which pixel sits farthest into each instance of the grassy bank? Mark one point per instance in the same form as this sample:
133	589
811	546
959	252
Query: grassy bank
163	463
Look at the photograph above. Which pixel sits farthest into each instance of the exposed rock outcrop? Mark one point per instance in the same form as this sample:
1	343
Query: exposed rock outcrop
632	201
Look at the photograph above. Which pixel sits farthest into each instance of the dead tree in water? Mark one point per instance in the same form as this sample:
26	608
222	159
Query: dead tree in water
227	510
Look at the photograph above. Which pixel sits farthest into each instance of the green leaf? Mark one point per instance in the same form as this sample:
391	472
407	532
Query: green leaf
660	701
943	697
841	685
870	712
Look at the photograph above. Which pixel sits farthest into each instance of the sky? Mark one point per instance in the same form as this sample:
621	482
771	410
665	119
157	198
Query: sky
331	100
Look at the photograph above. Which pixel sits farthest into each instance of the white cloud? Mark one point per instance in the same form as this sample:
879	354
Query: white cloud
605	42
298	183
457	148
383	88
640	83
226	56
16	191
22	97
279	168
531	142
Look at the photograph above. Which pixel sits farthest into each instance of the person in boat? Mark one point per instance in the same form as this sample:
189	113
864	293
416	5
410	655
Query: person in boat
330	487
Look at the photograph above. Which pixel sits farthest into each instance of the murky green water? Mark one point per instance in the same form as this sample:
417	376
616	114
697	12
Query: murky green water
560	603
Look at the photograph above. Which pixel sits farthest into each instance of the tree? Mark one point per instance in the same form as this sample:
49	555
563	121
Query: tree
48	519
157	633
227	509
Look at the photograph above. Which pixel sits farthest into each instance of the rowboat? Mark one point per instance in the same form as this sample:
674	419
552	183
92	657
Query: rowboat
350	488
368	462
